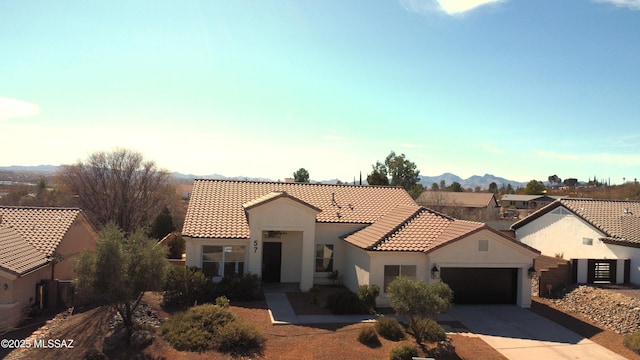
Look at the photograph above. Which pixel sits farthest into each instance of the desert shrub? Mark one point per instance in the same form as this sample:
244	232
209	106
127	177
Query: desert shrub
239	338
403	352
240	287
346	302
390	329
368	295
186	287
196	328
368	336
222	301
428	330
632	341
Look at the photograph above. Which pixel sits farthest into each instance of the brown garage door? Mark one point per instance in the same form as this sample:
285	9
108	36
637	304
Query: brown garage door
482	285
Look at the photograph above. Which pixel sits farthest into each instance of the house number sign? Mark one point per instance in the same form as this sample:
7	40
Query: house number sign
255	246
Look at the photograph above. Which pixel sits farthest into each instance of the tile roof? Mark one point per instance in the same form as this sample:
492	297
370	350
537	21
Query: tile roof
42	227
462	199
216	207
619	220
17	256
412	229
273	196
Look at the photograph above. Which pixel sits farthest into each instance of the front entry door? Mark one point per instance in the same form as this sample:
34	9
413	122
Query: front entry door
271	261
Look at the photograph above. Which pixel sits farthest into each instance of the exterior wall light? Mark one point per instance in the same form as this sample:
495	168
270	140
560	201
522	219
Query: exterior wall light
435	272
531	272
6	286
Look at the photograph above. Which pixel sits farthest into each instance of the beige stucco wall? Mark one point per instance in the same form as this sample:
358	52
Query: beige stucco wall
380	259
285	215
330	233
556	234
80	236
502	253
20	293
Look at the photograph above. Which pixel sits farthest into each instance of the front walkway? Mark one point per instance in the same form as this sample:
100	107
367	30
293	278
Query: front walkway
519	333
282	313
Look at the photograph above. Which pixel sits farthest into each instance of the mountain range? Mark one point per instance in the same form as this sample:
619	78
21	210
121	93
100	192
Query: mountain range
471	182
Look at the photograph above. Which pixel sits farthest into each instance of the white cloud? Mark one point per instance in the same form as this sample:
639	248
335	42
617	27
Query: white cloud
631	4
12	108
450	7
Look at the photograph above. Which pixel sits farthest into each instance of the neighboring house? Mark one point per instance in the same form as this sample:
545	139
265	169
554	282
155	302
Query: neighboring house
601	237
526	202
300	233
462	205
37	244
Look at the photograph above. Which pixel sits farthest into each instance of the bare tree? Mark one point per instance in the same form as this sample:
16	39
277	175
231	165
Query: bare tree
118	187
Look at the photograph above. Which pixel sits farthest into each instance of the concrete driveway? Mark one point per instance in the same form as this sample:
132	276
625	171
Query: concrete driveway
521	334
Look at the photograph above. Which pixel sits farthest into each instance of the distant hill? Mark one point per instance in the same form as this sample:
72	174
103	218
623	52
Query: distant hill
471	182
38	168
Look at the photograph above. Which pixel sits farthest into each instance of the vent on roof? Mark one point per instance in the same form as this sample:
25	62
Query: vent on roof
626	211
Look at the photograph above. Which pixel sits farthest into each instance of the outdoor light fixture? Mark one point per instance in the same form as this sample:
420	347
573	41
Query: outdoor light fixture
435	272
531	272
6	286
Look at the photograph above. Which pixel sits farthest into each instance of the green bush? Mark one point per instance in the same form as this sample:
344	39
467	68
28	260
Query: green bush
239	287
428	330
196	328
368	295
176	245
403	352
346	302
390	329
368	336
239	338
632	341
186	287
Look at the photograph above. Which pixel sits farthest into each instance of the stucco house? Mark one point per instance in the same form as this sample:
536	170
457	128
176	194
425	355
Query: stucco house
300	233
526	202
601	237
37	244
475	206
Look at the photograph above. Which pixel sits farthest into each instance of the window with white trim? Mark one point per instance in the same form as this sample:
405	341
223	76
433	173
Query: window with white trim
324	257
220	261
391	272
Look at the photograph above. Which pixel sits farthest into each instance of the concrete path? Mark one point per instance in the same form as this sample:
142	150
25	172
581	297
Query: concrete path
521	334
282	313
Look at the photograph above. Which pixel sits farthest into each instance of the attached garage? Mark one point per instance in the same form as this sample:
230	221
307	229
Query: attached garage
482	285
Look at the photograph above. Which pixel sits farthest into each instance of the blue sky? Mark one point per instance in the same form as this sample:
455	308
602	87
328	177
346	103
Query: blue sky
517	88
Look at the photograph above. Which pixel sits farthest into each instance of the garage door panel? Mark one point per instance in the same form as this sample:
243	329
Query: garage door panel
481	285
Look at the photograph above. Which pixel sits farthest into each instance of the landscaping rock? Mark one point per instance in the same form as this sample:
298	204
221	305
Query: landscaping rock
114	339
141	339
443	350
606	307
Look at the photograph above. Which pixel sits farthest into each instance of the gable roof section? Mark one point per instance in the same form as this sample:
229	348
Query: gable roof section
274	196
217	207
17	256
460	199
619	220
42	227
412	229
